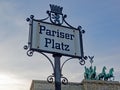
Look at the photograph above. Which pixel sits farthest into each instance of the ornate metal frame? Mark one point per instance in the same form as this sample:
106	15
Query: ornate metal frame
56	17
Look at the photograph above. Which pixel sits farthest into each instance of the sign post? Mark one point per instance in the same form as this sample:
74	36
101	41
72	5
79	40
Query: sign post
57	71
55	38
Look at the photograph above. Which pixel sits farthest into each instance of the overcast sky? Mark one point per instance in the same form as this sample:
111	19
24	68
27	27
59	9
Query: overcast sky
99	18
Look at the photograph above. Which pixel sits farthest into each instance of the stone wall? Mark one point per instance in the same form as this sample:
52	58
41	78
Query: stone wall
43	85
100	85
84	85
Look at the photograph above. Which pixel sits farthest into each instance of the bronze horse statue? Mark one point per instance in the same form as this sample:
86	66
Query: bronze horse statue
86	73
93	74
109	75
90	73
102	74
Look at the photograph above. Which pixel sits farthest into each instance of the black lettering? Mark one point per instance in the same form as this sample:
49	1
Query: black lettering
48	32
53	33
47	42
58	33
62	45
67	48
71	36
61	35
42	28
53	43
57	45
66	36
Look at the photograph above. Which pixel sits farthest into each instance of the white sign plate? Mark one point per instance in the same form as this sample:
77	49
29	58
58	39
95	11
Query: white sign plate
51	38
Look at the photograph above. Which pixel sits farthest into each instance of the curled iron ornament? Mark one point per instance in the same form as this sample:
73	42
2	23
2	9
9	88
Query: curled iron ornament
50	78
82	60
48	60
30	53
64	80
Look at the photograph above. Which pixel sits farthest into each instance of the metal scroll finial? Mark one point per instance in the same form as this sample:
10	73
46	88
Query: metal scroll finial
56	9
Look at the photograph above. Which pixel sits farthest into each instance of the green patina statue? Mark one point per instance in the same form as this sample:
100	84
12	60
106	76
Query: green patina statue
86	73
109	75
90	73
102	74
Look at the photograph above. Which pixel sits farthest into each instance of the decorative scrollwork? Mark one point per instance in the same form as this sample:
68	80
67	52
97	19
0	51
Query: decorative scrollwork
64	80
82	60
25	47
30	53
50	78
44	19
65	16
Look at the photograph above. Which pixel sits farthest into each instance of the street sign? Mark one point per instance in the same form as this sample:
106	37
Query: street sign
57	37
51	38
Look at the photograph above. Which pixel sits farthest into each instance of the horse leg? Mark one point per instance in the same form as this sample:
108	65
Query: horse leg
112	78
